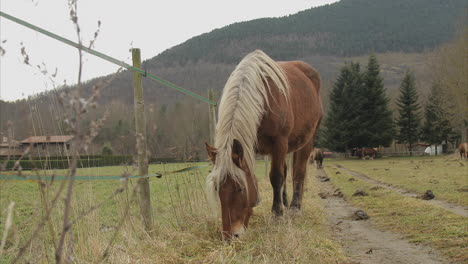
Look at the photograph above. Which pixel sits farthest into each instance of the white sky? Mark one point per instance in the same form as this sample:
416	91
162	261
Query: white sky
152	26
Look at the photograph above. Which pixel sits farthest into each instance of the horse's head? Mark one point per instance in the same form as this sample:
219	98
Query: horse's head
236	188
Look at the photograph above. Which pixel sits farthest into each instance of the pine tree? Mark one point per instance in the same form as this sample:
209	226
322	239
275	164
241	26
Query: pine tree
341	118
408	122
354	130
375	114
358	115
437	126
334	136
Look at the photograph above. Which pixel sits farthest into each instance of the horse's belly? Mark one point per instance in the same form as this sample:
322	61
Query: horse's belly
295	141
298	140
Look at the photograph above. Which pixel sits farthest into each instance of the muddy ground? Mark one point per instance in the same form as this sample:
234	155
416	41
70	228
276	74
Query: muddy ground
454	208
362	241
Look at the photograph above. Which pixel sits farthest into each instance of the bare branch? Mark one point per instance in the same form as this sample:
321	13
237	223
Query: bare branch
8	224
41	224
24	54
122	221
95	36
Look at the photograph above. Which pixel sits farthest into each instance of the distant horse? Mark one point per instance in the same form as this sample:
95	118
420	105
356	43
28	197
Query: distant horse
463	149
362	153
271	108
317	156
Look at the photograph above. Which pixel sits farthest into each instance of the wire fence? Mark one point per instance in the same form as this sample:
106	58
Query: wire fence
388	153
103	206
105	57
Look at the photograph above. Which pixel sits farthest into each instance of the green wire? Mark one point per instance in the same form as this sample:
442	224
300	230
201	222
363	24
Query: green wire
105	57
35	178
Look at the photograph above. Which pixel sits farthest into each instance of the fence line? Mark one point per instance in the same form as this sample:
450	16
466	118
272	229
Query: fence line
396	153
42	178
105	57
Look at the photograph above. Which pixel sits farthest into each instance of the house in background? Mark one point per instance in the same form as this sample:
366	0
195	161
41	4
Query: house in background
47	145
9	147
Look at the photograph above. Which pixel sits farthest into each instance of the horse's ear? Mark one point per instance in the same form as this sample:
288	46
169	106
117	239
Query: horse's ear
211	152
237	152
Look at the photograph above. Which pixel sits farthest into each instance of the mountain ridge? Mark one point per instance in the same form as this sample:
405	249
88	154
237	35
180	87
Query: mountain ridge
346	30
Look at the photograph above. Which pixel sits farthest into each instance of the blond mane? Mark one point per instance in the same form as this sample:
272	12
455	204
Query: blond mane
243	104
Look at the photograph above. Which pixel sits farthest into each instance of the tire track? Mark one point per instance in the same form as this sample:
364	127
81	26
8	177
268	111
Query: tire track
454	208
363	242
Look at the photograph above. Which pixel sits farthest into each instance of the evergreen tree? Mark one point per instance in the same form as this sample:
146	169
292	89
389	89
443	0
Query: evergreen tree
358	115
376	118
436	127
353	103
334	136
319	140
408	122
341	120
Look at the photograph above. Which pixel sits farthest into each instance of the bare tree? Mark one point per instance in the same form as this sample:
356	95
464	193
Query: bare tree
449	69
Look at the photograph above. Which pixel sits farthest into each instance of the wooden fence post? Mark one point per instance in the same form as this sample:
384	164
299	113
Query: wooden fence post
140	128
212	118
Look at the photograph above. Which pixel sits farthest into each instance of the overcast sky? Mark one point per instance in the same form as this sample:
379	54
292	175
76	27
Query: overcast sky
152	26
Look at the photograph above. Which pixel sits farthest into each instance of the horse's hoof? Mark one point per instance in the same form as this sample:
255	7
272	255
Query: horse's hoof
277	212
295	206
294	211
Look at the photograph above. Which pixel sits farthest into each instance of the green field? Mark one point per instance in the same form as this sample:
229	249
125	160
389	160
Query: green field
187	230
446	176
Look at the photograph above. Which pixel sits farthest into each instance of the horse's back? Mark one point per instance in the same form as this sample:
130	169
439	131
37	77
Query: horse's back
306	104
463	149
296	119
297	67
318	154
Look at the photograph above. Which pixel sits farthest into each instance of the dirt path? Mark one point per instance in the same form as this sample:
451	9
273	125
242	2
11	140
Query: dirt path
454	208
364	243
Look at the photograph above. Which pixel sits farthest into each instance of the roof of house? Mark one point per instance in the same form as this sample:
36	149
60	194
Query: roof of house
47	139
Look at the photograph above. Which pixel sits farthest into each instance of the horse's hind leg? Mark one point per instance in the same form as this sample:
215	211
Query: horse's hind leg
299	171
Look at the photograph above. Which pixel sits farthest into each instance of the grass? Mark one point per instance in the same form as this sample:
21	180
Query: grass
414	219
446	176
186	230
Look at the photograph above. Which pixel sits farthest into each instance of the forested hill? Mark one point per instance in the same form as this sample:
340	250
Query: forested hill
345	28
396	30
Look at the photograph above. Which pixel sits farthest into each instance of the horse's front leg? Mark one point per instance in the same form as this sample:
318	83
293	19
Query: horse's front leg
300	159
285	194
277	176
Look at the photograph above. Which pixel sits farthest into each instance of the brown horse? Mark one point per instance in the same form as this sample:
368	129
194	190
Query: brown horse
463	149
363	153
271	108
317	156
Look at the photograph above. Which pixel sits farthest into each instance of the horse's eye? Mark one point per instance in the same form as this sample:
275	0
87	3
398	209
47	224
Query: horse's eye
239	190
